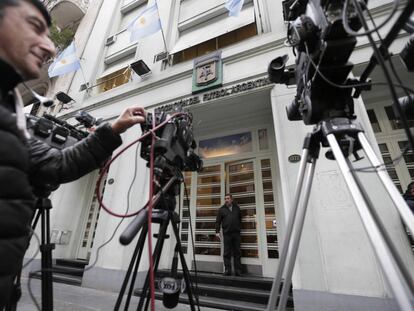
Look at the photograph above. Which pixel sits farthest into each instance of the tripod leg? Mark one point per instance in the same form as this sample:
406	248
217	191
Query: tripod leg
134	261
186	273
156	257
134	275
394	276
274	293
405	212
383	231
298	227
36	219
47	276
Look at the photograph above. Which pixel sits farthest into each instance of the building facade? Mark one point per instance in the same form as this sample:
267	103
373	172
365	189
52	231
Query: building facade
216	67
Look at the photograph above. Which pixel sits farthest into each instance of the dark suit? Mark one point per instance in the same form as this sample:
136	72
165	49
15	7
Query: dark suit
230	221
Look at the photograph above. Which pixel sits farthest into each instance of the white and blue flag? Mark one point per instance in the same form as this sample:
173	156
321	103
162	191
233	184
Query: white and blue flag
234	7
66	62
145	24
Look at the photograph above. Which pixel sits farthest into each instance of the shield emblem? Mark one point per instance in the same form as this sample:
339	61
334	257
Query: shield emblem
206	73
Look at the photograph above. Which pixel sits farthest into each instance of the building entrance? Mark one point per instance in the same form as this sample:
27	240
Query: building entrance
251	182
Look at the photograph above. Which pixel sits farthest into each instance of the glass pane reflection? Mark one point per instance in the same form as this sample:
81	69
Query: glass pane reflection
208	202
270	216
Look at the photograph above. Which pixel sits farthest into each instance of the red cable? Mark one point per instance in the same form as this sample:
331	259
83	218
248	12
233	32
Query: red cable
151	264
108	164
150	202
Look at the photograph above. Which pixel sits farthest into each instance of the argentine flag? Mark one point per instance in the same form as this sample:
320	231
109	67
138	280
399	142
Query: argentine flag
234	7
66	62
145	24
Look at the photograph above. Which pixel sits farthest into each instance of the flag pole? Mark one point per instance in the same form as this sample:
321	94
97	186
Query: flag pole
162	31
80	67
83	75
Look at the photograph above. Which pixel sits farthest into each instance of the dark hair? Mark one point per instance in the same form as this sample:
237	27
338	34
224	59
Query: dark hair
229	195
39	5
409	187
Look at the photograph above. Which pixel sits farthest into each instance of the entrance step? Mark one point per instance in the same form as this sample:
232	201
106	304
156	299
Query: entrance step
245	293
67	271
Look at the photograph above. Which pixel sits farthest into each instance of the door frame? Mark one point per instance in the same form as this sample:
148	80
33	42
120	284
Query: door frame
268	264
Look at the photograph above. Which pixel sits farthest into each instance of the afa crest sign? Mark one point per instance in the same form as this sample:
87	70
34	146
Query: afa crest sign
207	72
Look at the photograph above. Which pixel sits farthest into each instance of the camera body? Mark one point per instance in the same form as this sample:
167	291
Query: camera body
318	38
56	133
175	144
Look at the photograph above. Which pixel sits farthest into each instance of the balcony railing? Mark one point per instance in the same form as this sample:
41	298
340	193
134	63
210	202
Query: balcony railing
66	12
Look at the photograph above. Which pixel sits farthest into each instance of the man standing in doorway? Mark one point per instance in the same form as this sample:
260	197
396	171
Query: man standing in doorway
229	217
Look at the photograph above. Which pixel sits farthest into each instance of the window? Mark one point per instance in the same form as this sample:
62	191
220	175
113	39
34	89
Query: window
374	121
120	52
394	121
269	206
115	79
263	139
408	157
226	145
216	43
204	27
386	156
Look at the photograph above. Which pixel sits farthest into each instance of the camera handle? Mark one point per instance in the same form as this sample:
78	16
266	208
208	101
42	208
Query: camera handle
333	131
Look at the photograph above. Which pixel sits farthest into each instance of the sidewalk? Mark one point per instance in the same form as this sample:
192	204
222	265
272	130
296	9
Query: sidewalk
75	298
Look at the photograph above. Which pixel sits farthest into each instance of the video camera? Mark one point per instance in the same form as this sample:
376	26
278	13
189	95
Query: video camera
318	38
56	133
174	147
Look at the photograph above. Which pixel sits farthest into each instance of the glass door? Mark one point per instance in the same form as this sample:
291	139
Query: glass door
88	232
251	184
241	185
209	198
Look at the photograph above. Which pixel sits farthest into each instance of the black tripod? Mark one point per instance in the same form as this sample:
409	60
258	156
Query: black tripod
345	137
43	207
163	214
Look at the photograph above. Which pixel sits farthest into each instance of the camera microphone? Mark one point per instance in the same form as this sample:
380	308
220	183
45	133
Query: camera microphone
134	226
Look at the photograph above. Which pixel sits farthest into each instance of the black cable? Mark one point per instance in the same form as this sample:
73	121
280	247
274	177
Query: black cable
380	60
31	274
396	160
360	34
37	249
122	219
373	169
390	60
355	85
192	242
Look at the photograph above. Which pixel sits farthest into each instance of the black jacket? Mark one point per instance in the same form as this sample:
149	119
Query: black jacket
28	165
410	201
229	220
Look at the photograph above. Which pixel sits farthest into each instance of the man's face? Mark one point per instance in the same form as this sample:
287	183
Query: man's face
228	200
24	39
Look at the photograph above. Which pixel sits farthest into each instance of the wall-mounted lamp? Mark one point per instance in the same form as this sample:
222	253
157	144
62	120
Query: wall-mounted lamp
84	86
140	68
64	98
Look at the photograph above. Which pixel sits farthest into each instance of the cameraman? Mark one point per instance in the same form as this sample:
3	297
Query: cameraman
29	167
